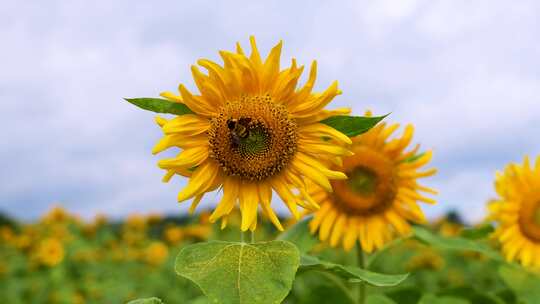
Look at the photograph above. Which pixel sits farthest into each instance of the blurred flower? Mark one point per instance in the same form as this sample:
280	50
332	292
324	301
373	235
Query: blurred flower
156	253
201	232
380	196
57	214
7	235
251	132
426	259
173	235
154	218
50	252
447	228
517	212
135	222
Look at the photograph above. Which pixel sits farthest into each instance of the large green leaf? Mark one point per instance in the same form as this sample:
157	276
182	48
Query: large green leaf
454	243
352	125
525	285
299	235
231	273
352	274
159	105
146	301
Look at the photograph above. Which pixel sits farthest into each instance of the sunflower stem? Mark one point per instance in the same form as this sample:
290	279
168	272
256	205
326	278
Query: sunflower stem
252	239
246	236
361	263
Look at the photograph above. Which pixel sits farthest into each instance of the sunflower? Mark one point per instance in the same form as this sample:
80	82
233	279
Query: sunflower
380	196
252	132
50	252
517	212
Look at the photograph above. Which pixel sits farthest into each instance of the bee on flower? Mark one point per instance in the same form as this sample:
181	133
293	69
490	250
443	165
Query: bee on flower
252	132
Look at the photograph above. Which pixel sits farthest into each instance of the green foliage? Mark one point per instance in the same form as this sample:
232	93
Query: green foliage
146	301
159	105
350	273
300	236
454	243
379	299
431	299
352	125
477	232
230	272
525	285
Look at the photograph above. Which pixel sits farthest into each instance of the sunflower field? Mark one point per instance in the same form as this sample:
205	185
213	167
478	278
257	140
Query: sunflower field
63	259
354	185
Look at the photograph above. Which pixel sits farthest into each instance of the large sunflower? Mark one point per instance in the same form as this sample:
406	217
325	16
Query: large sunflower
517	212
252	132
380	196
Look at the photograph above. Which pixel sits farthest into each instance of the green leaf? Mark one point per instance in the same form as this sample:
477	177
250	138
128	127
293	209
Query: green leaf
431	299
299	235
454	243
352	125
352	274
407	295
471	294
379	299
478	232
146	301
524	284
231	273
159	105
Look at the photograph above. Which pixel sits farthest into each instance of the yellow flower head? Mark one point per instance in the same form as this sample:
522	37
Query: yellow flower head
173	235
252	131
517	212
56	215
50	252
427	259
156	253
380	196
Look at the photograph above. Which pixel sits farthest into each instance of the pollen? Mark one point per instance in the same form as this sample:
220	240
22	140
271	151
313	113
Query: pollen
253	138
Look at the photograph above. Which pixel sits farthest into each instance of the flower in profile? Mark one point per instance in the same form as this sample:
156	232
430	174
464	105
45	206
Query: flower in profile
252	132
156	253
517	212
381	195
50	252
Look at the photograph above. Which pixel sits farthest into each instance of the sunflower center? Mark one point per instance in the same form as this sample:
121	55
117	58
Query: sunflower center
253	138
362	181
371	187
529	220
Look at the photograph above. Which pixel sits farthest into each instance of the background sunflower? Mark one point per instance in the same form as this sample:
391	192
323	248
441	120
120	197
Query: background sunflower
380	196
517	212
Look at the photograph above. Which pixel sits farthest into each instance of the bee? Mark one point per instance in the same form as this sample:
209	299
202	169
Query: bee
239	129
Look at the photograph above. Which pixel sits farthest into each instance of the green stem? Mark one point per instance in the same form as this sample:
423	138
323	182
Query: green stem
244	238
252	237
361	263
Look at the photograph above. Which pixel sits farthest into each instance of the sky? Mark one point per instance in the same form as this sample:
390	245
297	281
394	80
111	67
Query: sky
465	73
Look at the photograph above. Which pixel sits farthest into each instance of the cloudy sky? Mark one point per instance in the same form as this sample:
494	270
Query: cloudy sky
466	73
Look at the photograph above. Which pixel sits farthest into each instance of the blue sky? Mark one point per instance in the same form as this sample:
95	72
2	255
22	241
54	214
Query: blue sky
466	73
